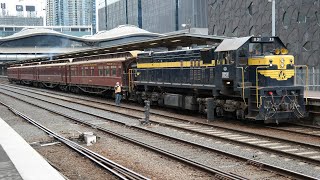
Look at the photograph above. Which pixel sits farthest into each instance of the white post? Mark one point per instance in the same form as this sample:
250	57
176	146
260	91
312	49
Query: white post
273	17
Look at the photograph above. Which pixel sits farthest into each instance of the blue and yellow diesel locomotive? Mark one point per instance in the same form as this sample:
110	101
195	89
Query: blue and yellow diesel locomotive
249	77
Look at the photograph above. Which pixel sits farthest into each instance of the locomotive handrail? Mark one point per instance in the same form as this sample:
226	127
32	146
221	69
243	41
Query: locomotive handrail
307	78
242	75
130	79
257	84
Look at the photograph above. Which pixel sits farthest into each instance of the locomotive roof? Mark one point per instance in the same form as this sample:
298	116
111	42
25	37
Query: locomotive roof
232	44
235	43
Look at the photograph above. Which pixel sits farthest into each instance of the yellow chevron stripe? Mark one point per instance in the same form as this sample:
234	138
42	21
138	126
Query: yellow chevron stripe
276	60
280	75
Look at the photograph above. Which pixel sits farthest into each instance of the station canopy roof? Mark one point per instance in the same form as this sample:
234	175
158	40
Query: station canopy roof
121	31
170	42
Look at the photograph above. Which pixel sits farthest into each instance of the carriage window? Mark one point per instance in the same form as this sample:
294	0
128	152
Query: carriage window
83	71
87	71
113	70
100	70
71	71
119	71
107	70
91	71
255	49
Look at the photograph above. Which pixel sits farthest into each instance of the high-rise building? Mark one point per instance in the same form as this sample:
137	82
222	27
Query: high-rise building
159	16
71	13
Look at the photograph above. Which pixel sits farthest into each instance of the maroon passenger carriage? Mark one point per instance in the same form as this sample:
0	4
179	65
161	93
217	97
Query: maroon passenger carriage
93	74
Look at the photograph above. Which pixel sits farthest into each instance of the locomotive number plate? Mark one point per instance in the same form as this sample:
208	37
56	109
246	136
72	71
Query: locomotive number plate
225	75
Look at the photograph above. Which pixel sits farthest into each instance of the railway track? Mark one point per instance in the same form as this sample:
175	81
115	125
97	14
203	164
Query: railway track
300	129
292	128
119	171
299	150
209	132
126	133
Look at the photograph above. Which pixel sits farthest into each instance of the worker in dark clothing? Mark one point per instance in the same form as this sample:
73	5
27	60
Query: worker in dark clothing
117	92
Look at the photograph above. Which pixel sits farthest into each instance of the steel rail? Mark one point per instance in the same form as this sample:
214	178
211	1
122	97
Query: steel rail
116	169
193	122
253	162
298	132
216	172
168	116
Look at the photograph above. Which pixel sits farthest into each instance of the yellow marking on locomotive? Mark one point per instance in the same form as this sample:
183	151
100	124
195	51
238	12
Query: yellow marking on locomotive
280	60
280	75
176	64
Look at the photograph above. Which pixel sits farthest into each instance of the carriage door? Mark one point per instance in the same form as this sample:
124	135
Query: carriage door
68	74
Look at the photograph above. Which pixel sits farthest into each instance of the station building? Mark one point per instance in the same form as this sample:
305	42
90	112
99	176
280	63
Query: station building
35	42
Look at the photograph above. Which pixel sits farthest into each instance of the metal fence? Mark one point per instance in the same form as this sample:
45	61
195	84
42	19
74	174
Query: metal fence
310	80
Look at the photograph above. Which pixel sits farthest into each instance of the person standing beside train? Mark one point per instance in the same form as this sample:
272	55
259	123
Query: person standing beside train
117	92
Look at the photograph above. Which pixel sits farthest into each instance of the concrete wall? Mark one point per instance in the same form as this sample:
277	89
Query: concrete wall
297	23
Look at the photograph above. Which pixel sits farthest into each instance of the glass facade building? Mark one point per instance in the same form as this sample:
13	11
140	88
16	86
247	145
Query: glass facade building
158	16
71	13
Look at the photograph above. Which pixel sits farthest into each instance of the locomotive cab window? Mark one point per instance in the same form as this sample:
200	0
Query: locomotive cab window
268	48
243	55
255	49
227	57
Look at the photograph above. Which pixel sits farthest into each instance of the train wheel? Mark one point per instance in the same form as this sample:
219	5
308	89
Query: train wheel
240	114
219	111
139	99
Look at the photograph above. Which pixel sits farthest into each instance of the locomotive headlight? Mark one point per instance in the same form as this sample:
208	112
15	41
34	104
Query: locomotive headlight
270	61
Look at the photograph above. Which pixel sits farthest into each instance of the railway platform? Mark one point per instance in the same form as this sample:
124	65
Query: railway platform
313	98
18	160
313	94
